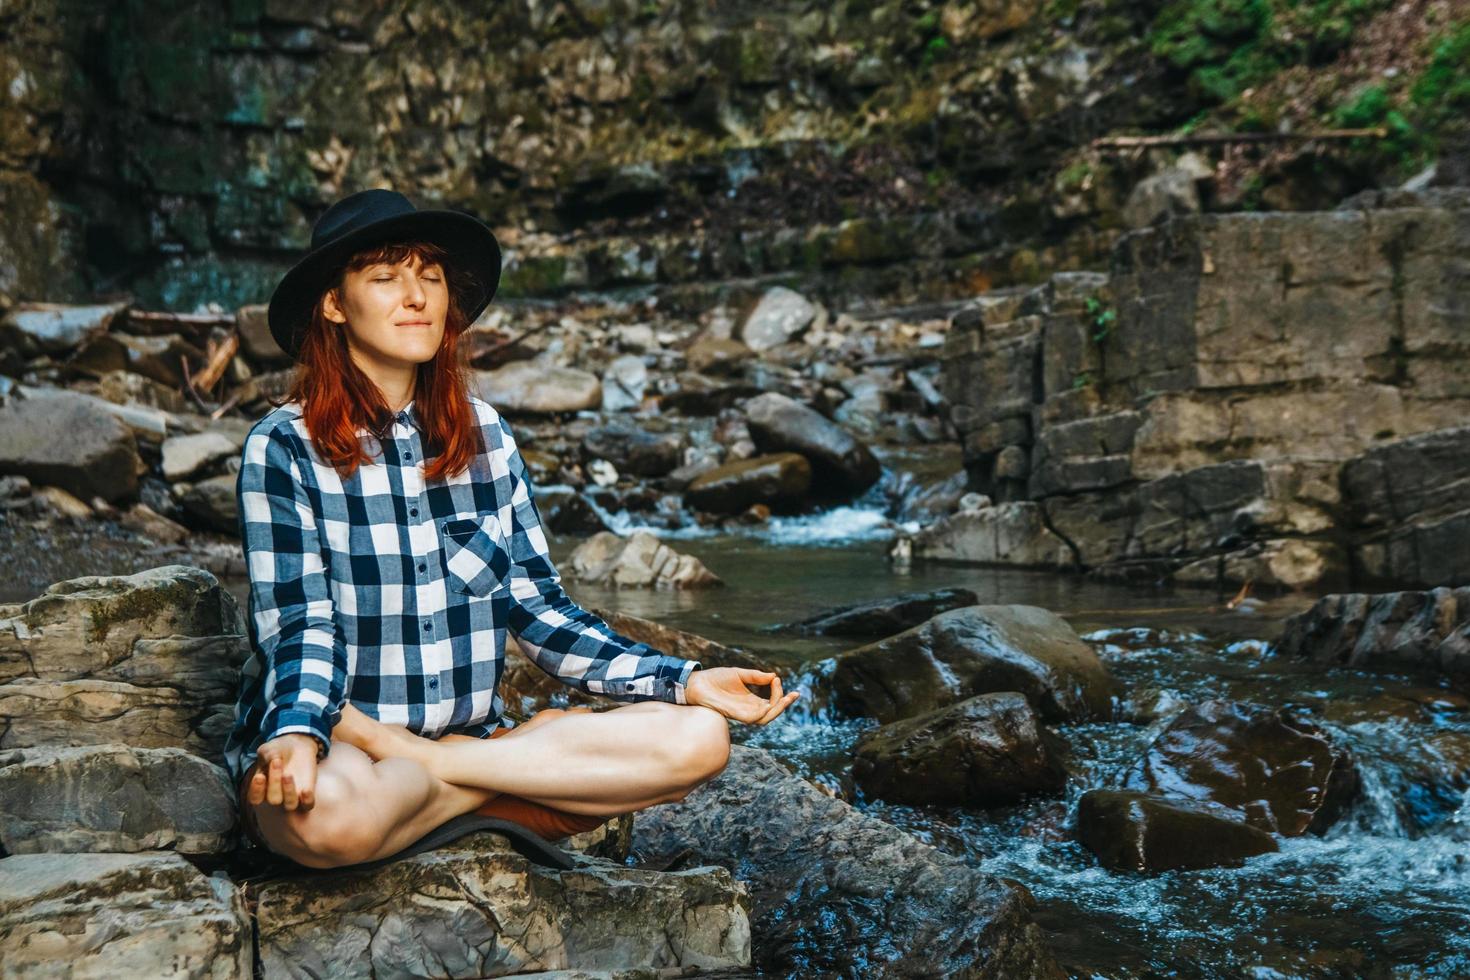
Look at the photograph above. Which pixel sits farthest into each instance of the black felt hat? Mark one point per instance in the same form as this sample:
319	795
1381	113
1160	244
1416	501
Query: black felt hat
375	217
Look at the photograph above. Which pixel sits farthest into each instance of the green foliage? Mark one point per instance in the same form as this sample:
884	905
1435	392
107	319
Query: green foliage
1445	85
1103	319
1081	380
1227	46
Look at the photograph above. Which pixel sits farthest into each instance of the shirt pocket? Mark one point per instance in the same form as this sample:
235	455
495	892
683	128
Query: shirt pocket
476	561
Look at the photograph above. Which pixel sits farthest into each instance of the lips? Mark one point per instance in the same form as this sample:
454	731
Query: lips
414	323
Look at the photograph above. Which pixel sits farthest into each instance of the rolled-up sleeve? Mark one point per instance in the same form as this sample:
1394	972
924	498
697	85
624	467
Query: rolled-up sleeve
291	611
559	636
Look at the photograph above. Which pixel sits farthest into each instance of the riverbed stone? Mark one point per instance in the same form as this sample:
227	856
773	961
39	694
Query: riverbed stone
115	798
214	503
976	650
1131	831
151	914
634	450
184	455
535	388
780	479
55	438
841	465
988	750
1426	633
1014	534
884	617
1283	773
679	643
640	560
782	314
478	909
835	891
54	328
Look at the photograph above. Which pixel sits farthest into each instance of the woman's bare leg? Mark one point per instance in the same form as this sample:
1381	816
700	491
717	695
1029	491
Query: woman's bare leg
598	763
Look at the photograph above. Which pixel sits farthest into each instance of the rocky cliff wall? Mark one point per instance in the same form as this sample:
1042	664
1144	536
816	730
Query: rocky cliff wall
1267	397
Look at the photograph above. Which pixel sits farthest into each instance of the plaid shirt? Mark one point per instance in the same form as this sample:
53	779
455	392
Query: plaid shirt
395	592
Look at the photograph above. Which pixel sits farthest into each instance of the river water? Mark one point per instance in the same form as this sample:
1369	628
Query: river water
1385	893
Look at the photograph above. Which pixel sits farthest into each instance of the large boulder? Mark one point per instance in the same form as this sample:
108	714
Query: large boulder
637	561
120	915
1007	534
988	750
779	479
841	465
837	892
114	798
55	438
976	650
632	450
1280	772
1419	632
884	617
782	314
1131	831
479	909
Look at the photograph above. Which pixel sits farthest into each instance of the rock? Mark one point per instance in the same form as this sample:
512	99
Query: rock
214	503
884	617
157	357
54	328
55	438
173	627
1280	772
840	464
63	504
184	455
1426	633
531	387
256	338
120	915
678	643
976	650
623	383
89	712
114	798
837	892
984	751
633	450
781	315
711	355
479	909
1140	832
151	524
128	389
1007	534
568	512
779	479
638	561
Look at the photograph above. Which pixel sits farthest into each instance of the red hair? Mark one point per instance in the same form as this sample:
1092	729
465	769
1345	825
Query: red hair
337	398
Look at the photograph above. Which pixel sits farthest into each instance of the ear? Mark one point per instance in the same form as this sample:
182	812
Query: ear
330	309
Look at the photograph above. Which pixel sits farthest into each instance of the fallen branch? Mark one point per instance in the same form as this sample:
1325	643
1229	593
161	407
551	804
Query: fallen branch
1130	142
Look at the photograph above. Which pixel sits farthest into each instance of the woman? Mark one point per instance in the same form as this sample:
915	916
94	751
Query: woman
392	543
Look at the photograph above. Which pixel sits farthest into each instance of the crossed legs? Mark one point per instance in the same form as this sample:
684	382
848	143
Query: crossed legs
382	787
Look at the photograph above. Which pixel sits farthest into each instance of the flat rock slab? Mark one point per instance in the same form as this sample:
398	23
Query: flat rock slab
837	892
113	798
479	909
85	712
1141	832
109	916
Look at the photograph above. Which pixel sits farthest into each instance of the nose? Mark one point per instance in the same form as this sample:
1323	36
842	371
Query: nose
414	292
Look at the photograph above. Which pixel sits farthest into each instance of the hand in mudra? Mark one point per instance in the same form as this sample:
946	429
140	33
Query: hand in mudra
723	689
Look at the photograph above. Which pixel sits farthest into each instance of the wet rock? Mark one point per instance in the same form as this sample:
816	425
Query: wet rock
988	750
213	503
1147	705
55	438
532	387
185	455
976	650
840	464
815	866
779	479
632	450
781	315
623	383
54	328
120	915
1007	534
568	512
638	561
479	909
1282	773
884	617
114	798
678	643
1426	633
1131	831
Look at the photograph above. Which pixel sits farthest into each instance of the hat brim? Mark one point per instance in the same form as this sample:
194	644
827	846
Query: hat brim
470	243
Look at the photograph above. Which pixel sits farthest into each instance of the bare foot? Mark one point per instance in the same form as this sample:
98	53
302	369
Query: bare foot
378	740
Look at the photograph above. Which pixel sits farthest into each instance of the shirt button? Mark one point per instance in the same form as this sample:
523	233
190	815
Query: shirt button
433	682
428	627
413	512
423	568
407	454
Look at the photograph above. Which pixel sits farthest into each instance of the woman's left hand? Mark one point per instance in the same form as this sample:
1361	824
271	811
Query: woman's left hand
724	690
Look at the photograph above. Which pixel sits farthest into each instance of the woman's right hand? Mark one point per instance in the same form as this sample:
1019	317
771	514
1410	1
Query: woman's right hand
285	772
